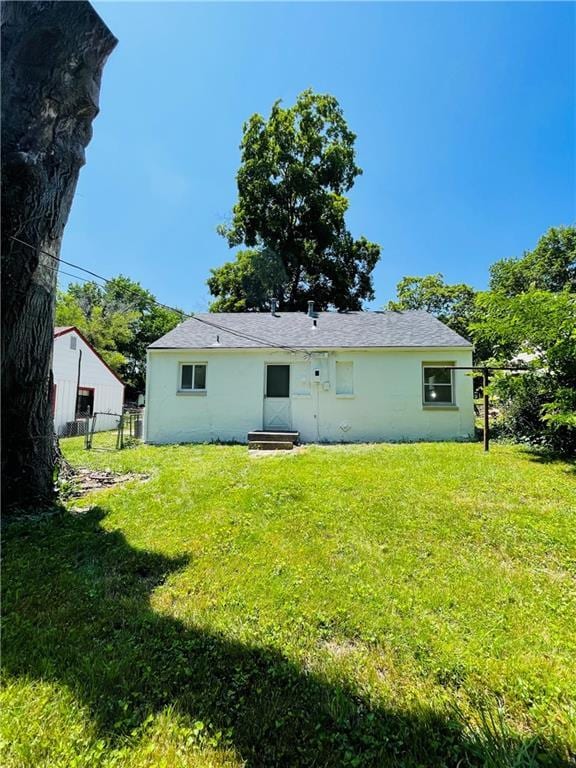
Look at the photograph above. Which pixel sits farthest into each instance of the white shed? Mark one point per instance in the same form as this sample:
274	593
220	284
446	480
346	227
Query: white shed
331	377
83	384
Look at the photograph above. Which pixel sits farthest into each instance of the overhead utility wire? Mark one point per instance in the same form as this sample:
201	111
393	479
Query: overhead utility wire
223	328
210	324
69	274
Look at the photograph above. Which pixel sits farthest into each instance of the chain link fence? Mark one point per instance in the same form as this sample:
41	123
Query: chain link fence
113	431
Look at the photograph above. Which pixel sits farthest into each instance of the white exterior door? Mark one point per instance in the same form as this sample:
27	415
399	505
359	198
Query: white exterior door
277	412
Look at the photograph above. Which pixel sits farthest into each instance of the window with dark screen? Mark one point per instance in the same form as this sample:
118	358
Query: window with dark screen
278	381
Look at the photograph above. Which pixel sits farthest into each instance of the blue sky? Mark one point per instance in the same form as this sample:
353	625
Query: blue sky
464	112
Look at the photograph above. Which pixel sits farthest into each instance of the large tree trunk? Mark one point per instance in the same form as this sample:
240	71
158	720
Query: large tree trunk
52	59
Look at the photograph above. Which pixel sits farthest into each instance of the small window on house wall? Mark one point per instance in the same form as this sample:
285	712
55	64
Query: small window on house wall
438	384
192	377
85	402
72	342
344	378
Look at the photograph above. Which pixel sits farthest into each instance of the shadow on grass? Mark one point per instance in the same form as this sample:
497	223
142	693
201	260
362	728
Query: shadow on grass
77	612
541	456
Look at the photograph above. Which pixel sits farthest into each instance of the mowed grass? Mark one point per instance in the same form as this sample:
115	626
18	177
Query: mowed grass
390	605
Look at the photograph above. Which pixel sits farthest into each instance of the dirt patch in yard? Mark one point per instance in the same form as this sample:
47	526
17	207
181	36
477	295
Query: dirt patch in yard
85	481
341	648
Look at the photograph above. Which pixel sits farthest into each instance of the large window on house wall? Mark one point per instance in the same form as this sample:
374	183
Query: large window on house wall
344	378
438	384
192	377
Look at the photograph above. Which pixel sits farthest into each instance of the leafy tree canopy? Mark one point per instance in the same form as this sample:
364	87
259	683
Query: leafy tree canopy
248	282
120	320
295	170
551	266
538	322
452	304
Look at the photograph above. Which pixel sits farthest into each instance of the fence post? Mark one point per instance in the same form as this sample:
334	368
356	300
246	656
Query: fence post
119	434
93	429
486	407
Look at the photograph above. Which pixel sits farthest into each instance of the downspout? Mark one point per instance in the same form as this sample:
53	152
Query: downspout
78	383
51	388
485	382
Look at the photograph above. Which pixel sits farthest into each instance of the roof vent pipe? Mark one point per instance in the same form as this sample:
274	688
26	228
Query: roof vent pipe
310	309
273	305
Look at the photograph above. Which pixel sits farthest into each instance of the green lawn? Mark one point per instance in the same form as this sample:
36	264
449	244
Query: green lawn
392	605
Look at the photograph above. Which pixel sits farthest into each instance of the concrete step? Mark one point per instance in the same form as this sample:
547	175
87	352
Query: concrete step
269	445
275	437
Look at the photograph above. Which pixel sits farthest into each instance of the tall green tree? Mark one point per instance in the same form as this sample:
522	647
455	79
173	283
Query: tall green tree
296	168
120	320
248	282
551	266
452	304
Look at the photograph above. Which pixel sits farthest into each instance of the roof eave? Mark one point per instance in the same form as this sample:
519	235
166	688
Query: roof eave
316	347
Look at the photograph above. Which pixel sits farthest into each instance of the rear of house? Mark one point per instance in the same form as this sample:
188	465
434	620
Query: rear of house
83	384
331	377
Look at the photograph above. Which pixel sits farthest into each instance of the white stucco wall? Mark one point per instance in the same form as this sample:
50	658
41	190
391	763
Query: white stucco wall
386	403
108	390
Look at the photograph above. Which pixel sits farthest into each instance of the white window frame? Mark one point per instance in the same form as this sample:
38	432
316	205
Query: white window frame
192	391
444	404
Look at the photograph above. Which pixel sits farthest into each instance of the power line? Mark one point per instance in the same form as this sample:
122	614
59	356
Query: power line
58	259
106	280
69	274
88	272
223	328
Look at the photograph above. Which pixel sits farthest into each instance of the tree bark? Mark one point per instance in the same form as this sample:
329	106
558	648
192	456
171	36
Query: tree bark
53	54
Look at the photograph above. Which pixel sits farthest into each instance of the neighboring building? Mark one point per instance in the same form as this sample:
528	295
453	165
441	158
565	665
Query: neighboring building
333	377
83	384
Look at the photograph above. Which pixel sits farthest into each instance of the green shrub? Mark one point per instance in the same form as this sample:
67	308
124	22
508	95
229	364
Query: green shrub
535	410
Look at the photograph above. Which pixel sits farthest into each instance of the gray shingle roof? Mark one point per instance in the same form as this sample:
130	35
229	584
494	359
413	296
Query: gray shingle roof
296	330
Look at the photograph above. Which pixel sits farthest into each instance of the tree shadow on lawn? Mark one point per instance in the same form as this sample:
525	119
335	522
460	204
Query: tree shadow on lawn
77	612
548	457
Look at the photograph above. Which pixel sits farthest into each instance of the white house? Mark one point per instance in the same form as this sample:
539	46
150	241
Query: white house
83	383
332	377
